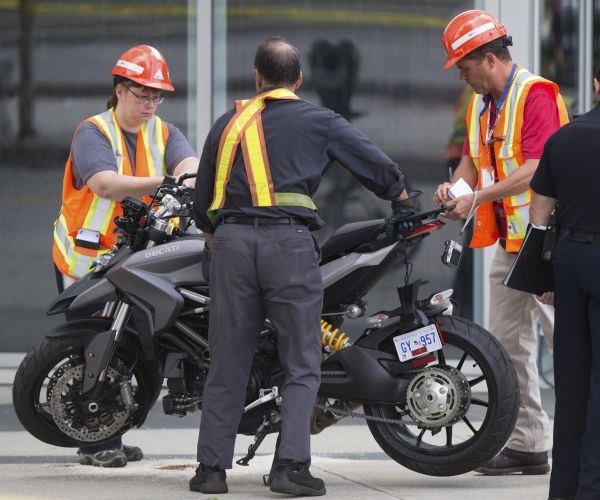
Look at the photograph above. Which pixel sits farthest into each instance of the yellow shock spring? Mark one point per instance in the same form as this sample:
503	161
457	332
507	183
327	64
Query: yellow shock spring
333	339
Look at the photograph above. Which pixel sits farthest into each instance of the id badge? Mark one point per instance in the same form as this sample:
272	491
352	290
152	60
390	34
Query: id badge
487	177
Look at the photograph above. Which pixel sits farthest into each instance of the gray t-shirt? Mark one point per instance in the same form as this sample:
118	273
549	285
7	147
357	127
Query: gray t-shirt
92	152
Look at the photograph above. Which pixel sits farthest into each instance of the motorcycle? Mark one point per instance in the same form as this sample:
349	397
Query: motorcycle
439	393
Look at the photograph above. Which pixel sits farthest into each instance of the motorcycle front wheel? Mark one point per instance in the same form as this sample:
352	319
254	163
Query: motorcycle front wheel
459	412
47	391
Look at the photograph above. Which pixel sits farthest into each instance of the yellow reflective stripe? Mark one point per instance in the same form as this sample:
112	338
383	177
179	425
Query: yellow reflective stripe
250	108
105	128
154	146
99	215
148	137
232	140
294	200
512	101
107	219
79	265
160	142
118	139
92	210
474	132
108	123
61	237
517	223
258	167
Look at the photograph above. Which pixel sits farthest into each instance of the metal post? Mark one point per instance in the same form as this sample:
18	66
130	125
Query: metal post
204	69
26	78
586	28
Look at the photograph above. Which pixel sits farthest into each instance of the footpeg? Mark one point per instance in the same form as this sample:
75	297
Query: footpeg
266	395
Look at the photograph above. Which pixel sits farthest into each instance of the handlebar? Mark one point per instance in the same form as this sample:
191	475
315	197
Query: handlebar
428	214
185	177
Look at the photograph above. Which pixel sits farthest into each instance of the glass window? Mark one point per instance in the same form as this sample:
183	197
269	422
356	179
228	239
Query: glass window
560	48
55	65
380	66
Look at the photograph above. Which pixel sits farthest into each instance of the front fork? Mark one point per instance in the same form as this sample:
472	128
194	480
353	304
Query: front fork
100	350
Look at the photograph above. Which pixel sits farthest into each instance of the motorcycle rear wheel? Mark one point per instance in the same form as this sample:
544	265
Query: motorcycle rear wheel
487	423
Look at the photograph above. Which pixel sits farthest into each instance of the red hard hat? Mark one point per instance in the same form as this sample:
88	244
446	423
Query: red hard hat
144	65
467	32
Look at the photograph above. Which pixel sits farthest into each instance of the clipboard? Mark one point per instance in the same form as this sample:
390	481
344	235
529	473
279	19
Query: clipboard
529	273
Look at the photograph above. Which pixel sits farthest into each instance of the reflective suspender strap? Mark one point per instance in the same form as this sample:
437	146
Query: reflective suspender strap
294	200
228	145
246	127
256	162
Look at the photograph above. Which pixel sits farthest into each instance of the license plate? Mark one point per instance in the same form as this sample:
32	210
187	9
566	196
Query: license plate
418	342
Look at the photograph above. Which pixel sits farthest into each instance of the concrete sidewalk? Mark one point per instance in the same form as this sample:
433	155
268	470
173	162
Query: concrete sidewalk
345	456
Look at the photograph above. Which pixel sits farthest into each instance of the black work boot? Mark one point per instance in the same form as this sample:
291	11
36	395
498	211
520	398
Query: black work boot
294	478
209	480
516	462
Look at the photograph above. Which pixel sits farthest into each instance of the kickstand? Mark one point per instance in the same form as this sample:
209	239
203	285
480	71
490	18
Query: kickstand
260	435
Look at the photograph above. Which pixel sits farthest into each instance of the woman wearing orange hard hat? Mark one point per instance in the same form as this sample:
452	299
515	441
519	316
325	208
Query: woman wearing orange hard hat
124	151
508	121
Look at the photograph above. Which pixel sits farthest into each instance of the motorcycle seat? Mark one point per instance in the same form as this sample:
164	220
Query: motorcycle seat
347	237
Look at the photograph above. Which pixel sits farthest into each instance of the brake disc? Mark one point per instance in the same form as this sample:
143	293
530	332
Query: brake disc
438	397
67	414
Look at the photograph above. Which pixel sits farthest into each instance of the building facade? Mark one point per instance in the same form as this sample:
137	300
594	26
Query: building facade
378	63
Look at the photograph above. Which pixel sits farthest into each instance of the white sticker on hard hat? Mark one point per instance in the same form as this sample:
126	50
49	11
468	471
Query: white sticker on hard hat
471	34
156	53
130	66
158	75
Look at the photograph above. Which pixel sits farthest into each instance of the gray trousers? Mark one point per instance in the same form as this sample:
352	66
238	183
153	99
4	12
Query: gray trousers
512	316
258	272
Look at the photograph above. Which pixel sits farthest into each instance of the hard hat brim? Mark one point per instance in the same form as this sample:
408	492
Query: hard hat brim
160	86
451	62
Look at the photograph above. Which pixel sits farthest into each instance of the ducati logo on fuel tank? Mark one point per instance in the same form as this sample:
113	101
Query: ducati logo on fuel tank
160	251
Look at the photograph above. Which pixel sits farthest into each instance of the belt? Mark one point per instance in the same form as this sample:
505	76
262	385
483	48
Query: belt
260	221
576	235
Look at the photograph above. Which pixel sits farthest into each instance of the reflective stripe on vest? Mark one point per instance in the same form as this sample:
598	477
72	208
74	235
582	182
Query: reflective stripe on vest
246	127
508	156
100	212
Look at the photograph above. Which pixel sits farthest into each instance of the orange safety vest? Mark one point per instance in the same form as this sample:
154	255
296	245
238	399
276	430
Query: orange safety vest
246	127
82	208
509	157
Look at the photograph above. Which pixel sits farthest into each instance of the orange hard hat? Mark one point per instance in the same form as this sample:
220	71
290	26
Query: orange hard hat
467	32
144	65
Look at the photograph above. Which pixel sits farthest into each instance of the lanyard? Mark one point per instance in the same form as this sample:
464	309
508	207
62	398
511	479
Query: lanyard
490	130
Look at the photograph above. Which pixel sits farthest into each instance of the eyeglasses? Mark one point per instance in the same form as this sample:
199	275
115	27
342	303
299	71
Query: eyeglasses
147	99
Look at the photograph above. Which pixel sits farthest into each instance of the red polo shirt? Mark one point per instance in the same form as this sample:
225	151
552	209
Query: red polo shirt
540	121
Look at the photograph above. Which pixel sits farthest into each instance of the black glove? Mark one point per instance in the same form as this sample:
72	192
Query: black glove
401	209
205	259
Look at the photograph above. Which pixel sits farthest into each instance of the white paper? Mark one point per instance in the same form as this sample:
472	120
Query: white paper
458	189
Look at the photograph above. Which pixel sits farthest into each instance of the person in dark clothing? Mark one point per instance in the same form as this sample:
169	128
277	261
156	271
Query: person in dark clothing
254	204
567	180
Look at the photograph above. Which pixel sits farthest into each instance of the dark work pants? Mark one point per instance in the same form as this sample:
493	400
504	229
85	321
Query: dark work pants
258	272
576	449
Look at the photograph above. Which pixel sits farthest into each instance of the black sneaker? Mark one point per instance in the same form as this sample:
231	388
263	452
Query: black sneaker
209	480
105	458
294	478
516	462
133	453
